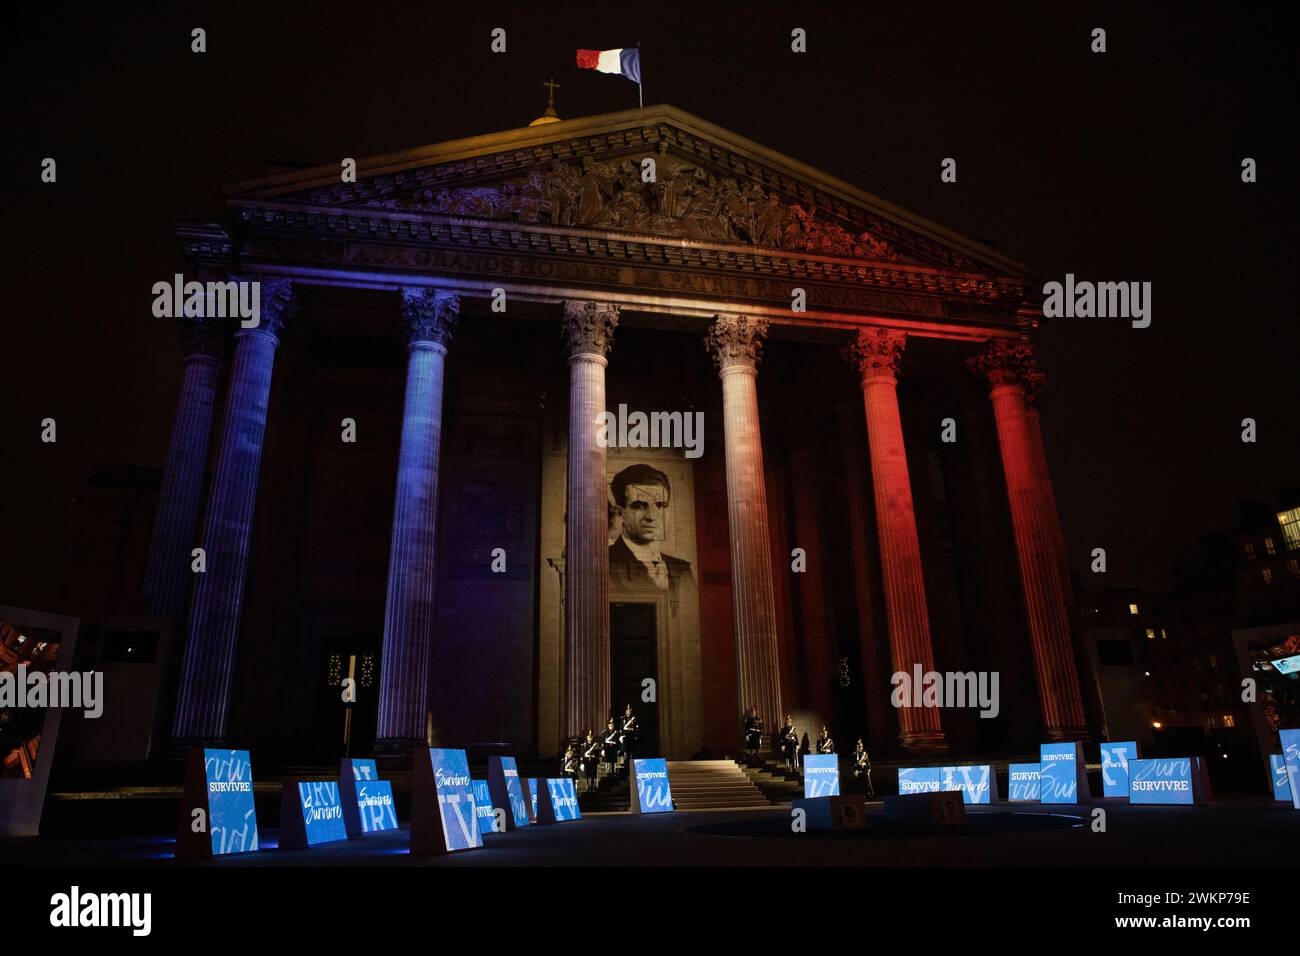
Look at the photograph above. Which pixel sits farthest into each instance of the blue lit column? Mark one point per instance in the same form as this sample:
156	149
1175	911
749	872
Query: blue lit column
208	665
408	615
167	575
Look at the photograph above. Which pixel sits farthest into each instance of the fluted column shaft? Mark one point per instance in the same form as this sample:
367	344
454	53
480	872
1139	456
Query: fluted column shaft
212	636
168	574
736	342
409	608
1044	571
588	332
877	353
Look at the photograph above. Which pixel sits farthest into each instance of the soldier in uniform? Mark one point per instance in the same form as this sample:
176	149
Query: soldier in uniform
590	759
789	738
569	767
627	737
753	731
609	746
862	767
825	745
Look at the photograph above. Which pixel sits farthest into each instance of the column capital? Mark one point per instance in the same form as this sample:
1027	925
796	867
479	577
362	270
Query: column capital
588	327
276	305
203	339
429	315
1035	381
736	341
876	353
1006	362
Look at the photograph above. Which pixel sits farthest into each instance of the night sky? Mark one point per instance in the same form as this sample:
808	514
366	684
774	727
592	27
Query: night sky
1118	166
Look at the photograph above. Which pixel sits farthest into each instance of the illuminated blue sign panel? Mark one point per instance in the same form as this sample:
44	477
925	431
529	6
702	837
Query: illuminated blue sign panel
442	803
1277	771
821	775
652	793
564	798
232	819
1115	758
367	801
1162	780
483	810
977	784
361	769
1022	782
508	791
919	780
1291	755
534	788
322	812
375	805
455	794
1061	774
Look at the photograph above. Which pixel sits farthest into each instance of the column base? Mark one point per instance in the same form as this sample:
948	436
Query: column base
924	741
1062	735
394	753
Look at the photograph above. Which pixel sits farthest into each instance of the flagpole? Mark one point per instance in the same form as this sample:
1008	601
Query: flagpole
640	95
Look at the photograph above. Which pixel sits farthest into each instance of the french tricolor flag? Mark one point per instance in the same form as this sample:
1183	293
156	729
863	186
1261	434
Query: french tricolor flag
625	62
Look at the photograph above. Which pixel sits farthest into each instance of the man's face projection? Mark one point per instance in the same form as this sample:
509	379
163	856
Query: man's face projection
644	512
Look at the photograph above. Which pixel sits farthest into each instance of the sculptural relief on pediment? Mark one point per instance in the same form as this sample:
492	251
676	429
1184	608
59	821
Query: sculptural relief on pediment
686	201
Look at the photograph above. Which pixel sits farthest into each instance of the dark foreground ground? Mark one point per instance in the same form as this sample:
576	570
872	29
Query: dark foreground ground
1244	832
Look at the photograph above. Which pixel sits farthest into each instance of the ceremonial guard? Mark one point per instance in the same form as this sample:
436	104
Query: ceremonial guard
609	746
627	737
590	759
789	741
753	731
569	767
825	745
862	768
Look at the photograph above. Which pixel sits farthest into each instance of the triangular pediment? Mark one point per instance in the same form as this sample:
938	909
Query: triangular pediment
709	185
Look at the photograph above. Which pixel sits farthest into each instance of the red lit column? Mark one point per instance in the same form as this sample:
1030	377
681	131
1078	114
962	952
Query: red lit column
167	575
409	610
1008	367
735	342
589	334
877	353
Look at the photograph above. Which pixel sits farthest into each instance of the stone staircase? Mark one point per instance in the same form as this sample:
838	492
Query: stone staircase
712	785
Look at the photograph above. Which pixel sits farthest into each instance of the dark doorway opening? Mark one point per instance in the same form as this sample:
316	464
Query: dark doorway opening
634	656
350	712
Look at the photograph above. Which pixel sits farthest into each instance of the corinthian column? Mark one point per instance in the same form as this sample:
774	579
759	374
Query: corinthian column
1009	368
876	353
167	574
209	662
736	342
408	612
589	334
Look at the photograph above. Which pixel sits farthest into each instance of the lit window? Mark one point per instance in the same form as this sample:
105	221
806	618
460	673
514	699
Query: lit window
1290	522
1293	567
1214	662
1163	635
1133	609
1250	551
1229	721
1269	546
1151	633
1268	575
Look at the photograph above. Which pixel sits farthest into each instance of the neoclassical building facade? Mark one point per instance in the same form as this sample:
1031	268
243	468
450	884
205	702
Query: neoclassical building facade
398	475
